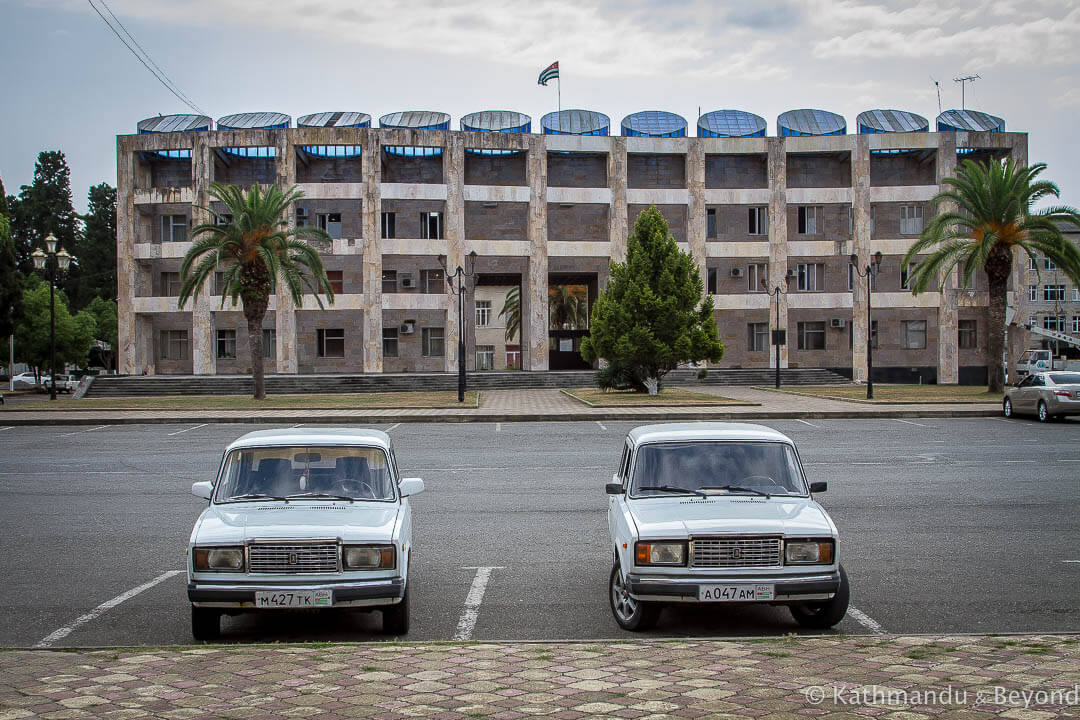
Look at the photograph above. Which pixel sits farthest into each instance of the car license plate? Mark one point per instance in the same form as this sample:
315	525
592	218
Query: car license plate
734	593
295	599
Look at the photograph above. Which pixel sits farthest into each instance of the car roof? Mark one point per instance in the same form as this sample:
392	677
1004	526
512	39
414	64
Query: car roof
314	437
675	432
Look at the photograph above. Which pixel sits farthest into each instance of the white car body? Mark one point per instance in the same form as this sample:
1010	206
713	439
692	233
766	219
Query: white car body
302	530
717	529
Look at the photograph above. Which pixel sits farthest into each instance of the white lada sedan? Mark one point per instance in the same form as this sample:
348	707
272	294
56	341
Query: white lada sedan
719	513
303	519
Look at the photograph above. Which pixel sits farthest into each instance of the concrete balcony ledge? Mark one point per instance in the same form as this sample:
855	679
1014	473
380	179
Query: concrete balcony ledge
412	191
164	196
578	143
902	193
332	191
155	251
414	301
497	193
740	196
737	249
559	248
414	246
584	196
657	196
818	196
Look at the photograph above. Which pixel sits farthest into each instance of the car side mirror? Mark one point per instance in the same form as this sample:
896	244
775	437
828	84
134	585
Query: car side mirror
411	486
614	488
816	487
202	489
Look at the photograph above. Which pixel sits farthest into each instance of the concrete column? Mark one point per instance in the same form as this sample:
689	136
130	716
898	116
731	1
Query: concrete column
695	214
372	249
534	325
1017	335
948	339
144	344
454	230
286	361
860	237
617	220
203	357
128	337
778	239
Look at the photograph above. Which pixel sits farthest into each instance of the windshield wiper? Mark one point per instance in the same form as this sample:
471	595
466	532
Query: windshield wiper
321	495
673	489
736	488
257	496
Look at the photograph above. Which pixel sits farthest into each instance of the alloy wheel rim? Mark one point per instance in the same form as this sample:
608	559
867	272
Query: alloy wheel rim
625	606
1042	412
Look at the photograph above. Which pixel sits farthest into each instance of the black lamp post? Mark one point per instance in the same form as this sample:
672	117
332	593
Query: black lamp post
779	336
51	260
460	275
871	272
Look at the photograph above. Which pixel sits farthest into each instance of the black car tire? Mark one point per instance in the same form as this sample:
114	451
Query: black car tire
1044	414
643	615
205	623
395	618
823	615
1006	408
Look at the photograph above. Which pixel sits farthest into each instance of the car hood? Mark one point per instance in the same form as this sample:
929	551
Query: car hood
240	522
683	517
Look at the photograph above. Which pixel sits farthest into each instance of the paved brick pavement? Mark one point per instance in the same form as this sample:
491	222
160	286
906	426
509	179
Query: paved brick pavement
833	678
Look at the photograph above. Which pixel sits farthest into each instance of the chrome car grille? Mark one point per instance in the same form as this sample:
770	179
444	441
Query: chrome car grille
734	552
293	558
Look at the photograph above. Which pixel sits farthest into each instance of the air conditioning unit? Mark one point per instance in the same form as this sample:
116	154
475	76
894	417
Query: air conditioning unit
736	272
838	323
408	327
406	280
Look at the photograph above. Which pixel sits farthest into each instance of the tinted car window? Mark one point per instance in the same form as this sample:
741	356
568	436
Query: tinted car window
1065	378
361	473
768	467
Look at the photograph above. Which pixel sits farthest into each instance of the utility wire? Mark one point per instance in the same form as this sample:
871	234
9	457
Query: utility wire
163	81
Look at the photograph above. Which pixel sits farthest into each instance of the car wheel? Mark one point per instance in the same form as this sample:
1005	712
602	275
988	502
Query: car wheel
1044	415
395	618
822	615
205	623
1006	408
631	614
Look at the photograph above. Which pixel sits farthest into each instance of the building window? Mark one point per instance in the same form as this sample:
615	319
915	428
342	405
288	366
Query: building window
483	313
968	283
710	223
219	283
1033	293
851	277
269	343
905	275
712	281
758	221
873	335
757	337
485	357
1033	263
331	343
513	357
966	339
173	228
1054	322
226	218
331	223
913	334
389	221
812	335
433	341
811	277
810	219
1076	294
910	220
1048	264
1053	293
170	284
389	281
226	344
174	344
431	225
433	281
756	276
336	278
390	342
1076	324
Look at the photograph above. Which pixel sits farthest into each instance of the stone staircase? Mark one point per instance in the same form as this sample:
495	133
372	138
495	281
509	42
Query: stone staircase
158	385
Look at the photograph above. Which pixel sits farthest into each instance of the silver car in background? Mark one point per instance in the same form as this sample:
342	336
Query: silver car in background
1045	395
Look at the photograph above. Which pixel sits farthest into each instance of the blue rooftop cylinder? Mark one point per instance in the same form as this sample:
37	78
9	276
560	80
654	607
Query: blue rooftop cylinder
575	122
253	121
174	123
503	121
969	121
415	120
654	123
333	120
872	122
731	123
808	122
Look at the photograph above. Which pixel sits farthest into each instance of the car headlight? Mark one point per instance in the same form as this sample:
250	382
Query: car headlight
660	553
809	552
218	559
368	557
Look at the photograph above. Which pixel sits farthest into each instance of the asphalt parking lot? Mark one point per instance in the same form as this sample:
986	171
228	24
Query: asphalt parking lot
949	525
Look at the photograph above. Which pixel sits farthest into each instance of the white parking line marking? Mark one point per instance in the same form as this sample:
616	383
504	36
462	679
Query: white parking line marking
601	425
471	612
196	427
865	620
9	427
1070	561
392	427
806	423
908	422
103	608
498	427
99	427
292	427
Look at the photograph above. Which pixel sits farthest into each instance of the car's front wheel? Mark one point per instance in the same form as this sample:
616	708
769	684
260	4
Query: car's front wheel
822	615
1044	414
631	614
1007	408
395	618
205	623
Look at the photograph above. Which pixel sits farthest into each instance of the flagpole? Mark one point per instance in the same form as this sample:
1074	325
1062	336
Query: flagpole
558	92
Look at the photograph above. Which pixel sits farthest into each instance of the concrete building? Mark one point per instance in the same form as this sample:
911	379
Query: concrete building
1053	301
548	211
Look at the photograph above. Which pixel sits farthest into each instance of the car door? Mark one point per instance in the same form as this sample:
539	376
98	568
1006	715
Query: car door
1034	392
1021	397
617	503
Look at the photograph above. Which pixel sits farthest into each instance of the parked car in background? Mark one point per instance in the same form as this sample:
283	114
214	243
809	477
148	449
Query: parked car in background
303	519
1046	395
64	383
24	381
719	513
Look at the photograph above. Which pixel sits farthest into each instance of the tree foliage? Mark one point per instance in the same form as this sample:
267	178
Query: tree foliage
651	317
105	330
568	308
511	311
11	282
43	207
93	274
74	335
990	218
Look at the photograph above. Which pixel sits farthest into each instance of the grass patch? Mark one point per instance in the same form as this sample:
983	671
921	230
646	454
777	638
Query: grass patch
926	652
899	393
667	397
776	654
272	402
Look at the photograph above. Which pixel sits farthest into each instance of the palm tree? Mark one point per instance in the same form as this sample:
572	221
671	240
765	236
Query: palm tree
254	248
991	217
568	309
511	310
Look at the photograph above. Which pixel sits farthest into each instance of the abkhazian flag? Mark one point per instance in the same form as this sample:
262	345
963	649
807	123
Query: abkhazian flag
549	73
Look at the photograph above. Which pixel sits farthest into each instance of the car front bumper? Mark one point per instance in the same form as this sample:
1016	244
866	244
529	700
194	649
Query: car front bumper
349	593
684	588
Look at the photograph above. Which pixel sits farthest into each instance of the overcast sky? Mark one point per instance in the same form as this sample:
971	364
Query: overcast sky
69	84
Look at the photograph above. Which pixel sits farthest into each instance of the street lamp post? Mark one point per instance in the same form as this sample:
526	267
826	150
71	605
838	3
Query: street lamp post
460	275
51	260
779	336
870	273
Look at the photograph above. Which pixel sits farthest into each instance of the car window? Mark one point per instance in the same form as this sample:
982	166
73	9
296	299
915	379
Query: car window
1026	382
359	473
1037	381
768	467
1065	378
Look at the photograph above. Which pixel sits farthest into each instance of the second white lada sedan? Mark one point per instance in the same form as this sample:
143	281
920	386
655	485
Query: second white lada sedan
719	513
303	519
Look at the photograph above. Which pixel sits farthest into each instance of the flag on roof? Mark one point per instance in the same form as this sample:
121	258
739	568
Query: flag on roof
549	73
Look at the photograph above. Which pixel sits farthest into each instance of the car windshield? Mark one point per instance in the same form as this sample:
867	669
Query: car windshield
298	473
1065	378
716	468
